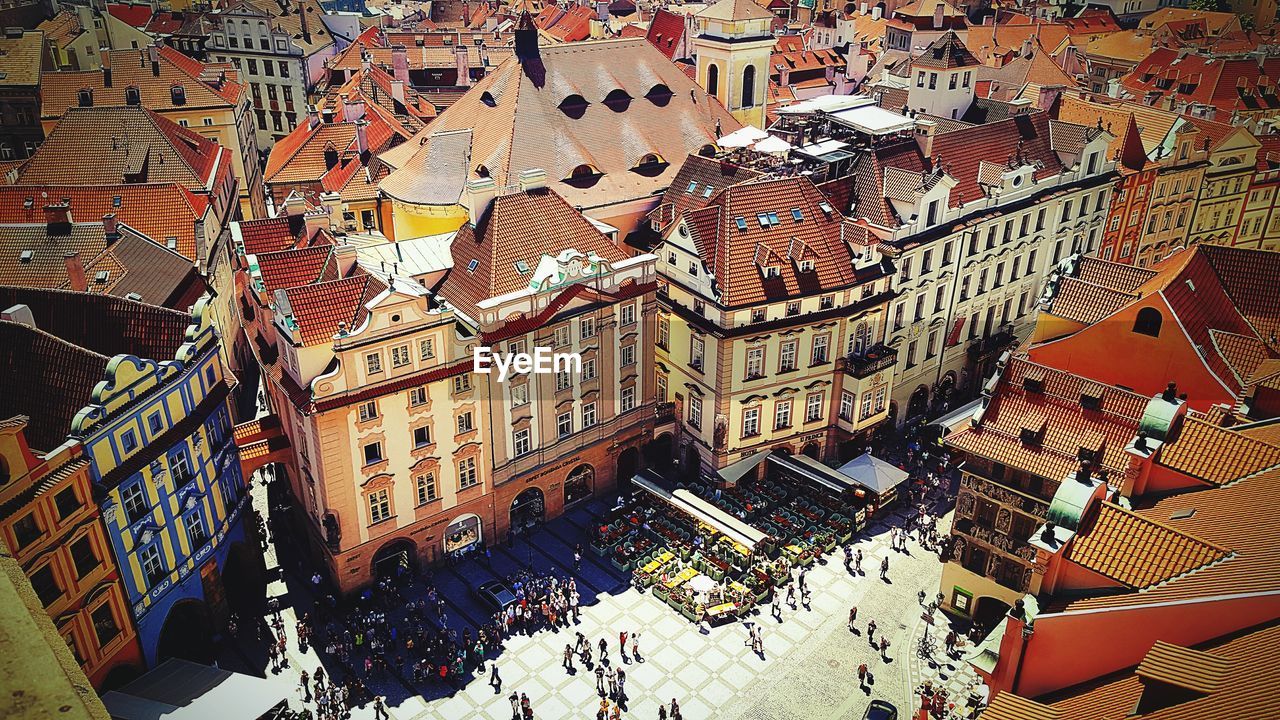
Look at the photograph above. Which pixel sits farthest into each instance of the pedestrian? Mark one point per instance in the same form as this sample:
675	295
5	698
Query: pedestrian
612	677
568	657
884	647
577	558
600	680
604	650
515	705
777	607
662	712
380	709
884	568
857	560
803	573
494	680
622	680
622	644
920	597
871	630
635	647
853	617
862	675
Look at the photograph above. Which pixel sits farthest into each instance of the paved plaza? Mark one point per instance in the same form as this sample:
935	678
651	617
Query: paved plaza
808	668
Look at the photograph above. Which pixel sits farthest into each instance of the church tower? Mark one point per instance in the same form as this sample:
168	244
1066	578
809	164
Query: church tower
732	46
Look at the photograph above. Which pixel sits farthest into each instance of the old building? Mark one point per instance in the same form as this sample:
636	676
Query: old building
49	517
204	98
143	390
773	319
558	131
733	45
23	59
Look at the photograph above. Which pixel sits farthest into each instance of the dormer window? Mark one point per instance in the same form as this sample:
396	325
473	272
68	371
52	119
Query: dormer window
178	94
796	214
651	162
575	106
132	96
617	100
1090	402
806	266
741	222
85	98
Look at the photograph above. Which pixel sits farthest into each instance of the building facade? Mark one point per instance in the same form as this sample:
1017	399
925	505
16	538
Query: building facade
732	47
49	517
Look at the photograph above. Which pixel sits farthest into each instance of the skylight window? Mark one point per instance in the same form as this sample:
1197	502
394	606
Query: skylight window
773	218
763	219
471	266
102	277
796	214
116	201
706	193
26	256
692	186
522	267
826	207
741	222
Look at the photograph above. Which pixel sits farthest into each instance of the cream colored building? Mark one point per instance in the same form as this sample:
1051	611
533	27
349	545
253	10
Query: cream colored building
772	320
732	48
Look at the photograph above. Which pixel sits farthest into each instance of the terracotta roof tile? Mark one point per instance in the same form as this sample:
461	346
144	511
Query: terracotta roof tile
204	86
1135	550
292	268
321	308
1216	455
698	179
945	53
20	60
666	30
265	235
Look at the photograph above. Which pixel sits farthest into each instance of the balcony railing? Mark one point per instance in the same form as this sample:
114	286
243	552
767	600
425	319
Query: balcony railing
873	360
664	412
983	347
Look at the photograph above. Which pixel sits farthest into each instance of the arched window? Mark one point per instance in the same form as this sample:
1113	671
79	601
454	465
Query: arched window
584	171
713	79
1148	322
749	86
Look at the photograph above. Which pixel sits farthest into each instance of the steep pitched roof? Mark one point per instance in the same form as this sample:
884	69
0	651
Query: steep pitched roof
322	308
737	238
735	10
204	85
692	187
21	60
665	31
522	227
525	116
1135	550
945	53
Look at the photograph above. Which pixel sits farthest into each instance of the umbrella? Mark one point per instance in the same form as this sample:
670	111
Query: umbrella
741	138
702	584
771	144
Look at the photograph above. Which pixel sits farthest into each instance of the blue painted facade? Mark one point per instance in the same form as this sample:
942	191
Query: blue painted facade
160	441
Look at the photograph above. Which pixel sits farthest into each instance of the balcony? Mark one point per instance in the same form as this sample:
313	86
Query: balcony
982	348
875	359
664	412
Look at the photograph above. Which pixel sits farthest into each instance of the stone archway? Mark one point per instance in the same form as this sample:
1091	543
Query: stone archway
528	509
919	403
628	466
395	558
660	453
579	484
187	633
812	450
988	611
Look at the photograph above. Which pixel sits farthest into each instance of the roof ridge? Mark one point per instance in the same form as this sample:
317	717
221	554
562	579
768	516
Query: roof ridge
1165	526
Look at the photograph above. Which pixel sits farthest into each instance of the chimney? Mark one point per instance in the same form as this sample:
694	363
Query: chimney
366	62
1026	48
327	115
332	203
306	29
533	179
362	139
153	54
476	196
862	9
400	63
106	75
925	131
397	91
526	40
352	110
294	205
346	256
784	74
75	272
464	65
316	221
57	217
877	12
938	11
110	228
20	314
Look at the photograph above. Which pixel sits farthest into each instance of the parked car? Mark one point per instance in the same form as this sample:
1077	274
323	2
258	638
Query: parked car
496	595
880	710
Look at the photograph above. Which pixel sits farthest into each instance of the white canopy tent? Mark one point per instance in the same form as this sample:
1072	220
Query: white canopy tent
742	137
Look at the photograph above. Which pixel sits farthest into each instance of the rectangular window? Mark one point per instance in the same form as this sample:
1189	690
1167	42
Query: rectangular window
782	414
129	441
399	356
926	262
464	423
826	302
628	399
750	422
820	343
867	410
932	346
521	443
627	315
373	453
813	408
695	411
373	363
563	381
467	473
421	436
1031	262
195	530
379	506
588	415
67	503
561	337
846	405
587	328
697	348
911	354
758	315
664	332
793	308
564	424
461	383
755	363
45	583
155	423
152	564
881	394
933	81
135	503
589	368
368	410
787	356
426	348
905	270
426	487
628	355
417	396
897	315
83	557
520	395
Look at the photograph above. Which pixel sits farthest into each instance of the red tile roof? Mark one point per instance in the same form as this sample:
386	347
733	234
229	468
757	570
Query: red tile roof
321	309
135	15
666	30
1135	550
1216	455
292	268
1230	85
